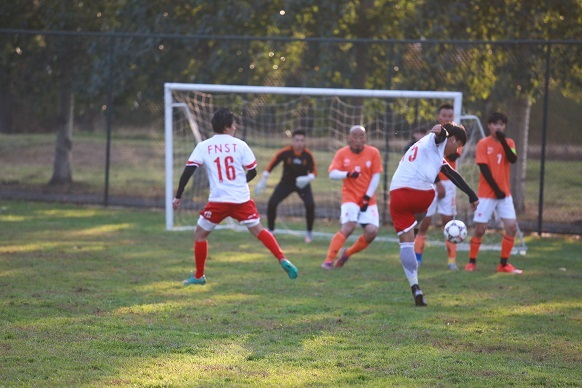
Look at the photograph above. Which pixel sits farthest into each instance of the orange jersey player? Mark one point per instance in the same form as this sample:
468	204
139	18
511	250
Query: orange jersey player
359	166
494	155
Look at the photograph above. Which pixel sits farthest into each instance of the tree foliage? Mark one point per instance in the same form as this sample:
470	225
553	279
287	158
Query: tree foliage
343	44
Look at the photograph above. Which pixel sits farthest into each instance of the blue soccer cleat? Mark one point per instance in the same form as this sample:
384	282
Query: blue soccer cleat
289	268
192	280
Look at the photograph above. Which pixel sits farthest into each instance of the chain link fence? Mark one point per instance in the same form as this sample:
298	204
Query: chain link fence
104	94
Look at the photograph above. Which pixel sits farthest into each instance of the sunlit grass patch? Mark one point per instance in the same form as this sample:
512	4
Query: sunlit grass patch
98	300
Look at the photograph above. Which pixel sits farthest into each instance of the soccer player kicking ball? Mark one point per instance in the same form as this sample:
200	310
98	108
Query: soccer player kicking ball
230	164
444	201
493	156
411	190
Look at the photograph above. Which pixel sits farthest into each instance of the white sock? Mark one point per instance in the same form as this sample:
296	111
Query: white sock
409	263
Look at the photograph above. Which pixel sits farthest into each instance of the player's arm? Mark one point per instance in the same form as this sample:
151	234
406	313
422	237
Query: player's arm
251	174
370	192
184	178
458	181
302	181
374	182
278	158
334	168
510	153
338	175
486	172
440	133
262	185
311	166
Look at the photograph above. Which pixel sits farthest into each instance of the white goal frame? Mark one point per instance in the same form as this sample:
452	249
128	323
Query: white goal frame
170	105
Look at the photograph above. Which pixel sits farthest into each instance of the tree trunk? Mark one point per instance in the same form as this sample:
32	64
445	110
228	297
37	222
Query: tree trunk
62	168
518	130
6	123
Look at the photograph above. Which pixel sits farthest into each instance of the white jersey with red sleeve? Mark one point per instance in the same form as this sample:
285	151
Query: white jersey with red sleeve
226	159
420	165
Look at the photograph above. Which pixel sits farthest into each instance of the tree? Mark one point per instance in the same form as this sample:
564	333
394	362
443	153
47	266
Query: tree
17	60
508	76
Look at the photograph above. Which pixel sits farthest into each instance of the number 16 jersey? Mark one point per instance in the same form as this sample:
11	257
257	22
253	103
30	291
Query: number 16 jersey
225	158
420	165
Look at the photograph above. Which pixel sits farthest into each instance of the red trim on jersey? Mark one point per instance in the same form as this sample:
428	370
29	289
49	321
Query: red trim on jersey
193	163
252	165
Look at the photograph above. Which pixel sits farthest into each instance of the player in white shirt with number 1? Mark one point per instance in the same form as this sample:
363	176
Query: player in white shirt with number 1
230	165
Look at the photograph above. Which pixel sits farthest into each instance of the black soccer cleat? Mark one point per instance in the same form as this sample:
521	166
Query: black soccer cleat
418	296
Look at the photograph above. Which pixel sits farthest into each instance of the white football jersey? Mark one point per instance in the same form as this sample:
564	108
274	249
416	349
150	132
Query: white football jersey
420	165
225	158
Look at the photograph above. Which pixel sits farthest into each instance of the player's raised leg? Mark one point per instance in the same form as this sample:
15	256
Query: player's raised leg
272	245
370	233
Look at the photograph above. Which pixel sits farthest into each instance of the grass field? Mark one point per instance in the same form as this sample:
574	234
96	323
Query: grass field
92	297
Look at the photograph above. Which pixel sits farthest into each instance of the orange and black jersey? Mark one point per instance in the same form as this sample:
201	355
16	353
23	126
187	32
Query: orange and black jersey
294	165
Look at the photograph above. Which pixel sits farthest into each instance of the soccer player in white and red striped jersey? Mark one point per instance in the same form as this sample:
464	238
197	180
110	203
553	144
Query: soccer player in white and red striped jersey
230	165
412	191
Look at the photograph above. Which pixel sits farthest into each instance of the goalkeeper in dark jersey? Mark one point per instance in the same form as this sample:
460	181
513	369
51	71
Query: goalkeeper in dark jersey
298	171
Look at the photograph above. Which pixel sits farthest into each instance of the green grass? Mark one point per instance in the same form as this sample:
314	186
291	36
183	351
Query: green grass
92	297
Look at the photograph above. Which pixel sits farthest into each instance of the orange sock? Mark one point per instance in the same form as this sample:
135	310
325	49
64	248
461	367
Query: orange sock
337	242
506	246
360	244
419	241
474	247
451	251
200	254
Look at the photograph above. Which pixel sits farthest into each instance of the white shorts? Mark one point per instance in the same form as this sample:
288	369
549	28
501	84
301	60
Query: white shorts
351	213
446	205
504	207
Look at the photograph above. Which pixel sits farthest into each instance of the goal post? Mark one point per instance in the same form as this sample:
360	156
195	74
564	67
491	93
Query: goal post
202	99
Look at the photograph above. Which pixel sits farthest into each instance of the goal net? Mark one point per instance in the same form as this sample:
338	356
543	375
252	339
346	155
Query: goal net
266	117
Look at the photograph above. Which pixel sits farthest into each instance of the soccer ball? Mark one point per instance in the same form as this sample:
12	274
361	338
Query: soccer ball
455	231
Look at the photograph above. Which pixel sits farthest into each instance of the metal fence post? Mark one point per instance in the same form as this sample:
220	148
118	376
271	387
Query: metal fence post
544	139
109	118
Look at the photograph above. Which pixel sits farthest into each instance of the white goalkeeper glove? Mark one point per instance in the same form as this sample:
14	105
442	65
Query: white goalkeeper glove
262	185
302	181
